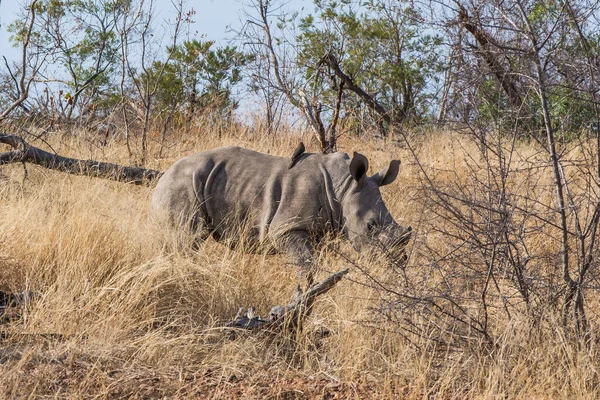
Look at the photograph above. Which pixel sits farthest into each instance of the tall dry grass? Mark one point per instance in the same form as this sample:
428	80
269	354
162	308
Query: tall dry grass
120	312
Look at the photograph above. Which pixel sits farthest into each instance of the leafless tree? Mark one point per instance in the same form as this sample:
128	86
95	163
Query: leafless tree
33	60
277	56
145	81
481	237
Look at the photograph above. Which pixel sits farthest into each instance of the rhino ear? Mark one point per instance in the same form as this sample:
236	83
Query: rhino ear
387	175
359	167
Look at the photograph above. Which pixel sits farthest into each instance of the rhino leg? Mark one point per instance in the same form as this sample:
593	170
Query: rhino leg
199	232
297	245
189	232
187	223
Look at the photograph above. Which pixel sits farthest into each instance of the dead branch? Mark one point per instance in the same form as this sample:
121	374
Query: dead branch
486	43
369	100
24	152
290	315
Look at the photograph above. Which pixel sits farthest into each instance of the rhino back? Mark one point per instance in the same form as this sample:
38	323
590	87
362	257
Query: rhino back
226	186
243	186
308	199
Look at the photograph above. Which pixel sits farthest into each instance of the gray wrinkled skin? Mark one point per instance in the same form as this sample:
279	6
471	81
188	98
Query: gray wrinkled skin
228	190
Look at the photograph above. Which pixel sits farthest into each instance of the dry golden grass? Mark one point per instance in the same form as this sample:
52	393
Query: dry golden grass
122	314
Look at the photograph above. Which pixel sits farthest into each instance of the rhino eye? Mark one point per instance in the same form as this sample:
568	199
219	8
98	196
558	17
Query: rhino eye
371	225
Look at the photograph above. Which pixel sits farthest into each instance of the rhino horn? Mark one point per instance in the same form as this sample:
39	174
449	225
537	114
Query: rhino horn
388	175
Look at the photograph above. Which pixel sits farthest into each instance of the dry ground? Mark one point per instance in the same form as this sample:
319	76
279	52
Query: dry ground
120	314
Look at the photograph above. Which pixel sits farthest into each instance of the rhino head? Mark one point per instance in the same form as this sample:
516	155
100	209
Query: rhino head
367	221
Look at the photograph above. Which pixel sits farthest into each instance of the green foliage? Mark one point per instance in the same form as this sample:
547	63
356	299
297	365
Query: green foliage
566	63
492	101
84	38
382	45
81	36
198	78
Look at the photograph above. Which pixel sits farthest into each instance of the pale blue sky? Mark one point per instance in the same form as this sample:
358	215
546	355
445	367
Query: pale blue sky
212	18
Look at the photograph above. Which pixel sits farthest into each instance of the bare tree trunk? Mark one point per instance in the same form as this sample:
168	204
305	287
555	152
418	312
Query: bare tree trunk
351	85
556	166
485	42
448	82
24	152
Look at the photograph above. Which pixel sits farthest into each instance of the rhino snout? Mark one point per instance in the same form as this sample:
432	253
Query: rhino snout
394	244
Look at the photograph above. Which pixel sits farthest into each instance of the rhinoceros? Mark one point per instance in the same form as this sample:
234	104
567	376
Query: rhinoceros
280	205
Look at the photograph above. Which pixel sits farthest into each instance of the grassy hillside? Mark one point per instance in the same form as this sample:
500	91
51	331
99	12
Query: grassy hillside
121	313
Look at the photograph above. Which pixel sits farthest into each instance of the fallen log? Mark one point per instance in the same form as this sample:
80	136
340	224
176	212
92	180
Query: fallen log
24	152
287	316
